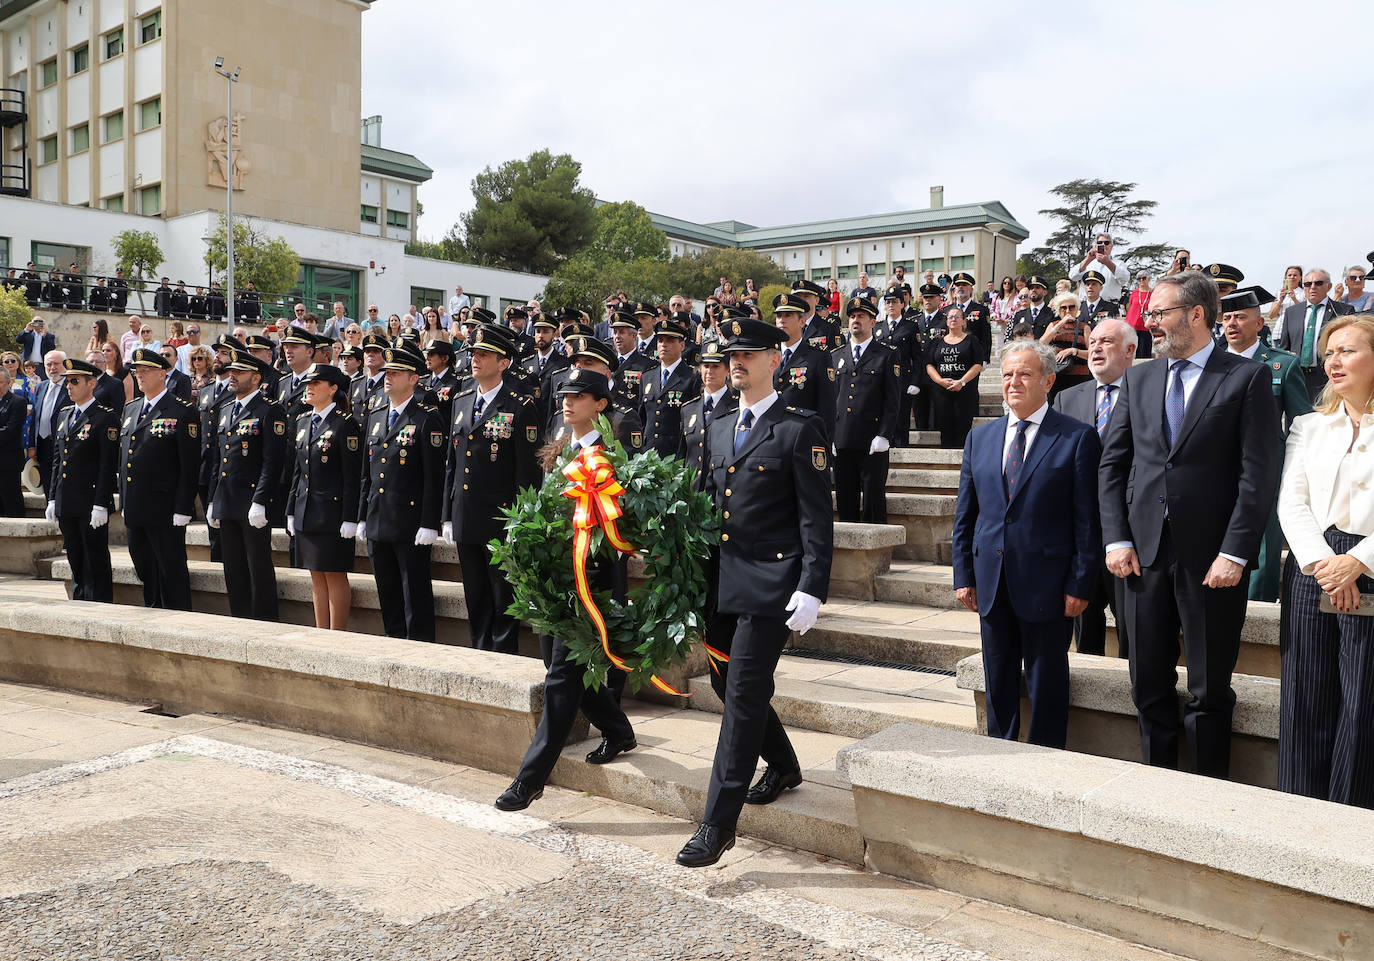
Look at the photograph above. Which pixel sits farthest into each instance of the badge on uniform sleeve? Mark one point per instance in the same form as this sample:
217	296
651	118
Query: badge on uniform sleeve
636	438
113	433
830	372
531	434
897	370
279	428
818	458
193	429
436	438
352	443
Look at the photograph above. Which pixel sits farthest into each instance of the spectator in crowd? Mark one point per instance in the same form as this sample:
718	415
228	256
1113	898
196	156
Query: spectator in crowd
1303	323
433	329
1290	293
751	293
727	294
834	300
183	361
456	324
116	373
1111	345
989	292
202	368
1115	276
1021	331
864	288
1184	499
49	399
35	341
177	382
1003	302
394	327
337	321
176	334
720	289
1326	724
14	411
1182	261
127	341
458	302
146	340
1027	545
353	335
19	384
953	364
372	321
1354	294
1135	312
1069	337
1062	286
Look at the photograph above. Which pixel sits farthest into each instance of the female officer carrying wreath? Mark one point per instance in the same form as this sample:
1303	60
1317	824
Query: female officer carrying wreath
322	508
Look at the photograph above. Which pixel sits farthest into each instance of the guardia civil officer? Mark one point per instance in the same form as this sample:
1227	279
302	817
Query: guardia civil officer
666	388
251	439
493	455
158	469
586	394
402	494
211	400
870	377
769	473
804	376
322	507
821	333
84	456
365	393
718	399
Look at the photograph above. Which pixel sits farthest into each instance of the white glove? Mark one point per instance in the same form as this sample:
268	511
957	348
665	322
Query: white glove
425	536
257	516
913	390
50	513
806	608
210	516
99	517
879	445
181	520
348	530
291	526
362	530
447	532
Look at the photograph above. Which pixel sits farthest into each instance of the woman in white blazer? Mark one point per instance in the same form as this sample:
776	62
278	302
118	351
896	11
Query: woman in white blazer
1326	509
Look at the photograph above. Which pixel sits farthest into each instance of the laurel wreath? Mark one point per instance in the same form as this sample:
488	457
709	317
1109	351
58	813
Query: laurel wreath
673	528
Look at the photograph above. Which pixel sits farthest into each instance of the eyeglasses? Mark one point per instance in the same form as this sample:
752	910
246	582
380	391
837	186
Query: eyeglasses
1315	283
192	330
1355	279
1158	315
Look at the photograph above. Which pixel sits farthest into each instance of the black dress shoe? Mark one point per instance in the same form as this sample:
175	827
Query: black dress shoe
607	750
518	796
706	846
767	788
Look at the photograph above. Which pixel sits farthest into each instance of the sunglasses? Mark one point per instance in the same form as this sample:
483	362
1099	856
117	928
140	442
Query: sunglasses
1314	283
1355	279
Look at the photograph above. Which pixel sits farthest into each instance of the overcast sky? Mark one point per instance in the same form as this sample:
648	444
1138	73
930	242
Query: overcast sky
1247	122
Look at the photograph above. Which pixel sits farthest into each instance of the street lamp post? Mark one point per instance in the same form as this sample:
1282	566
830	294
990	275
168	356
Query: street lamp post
231	79
996	227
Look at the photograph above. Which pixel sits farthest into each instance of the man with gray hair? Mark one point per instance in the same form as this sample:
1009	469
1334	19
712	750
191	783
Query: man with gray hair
49	400
1027	546
1111	346
1300	330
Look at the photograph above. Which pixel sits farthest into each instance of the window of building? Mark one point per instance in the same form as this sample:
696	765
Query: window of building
507	302
114	43
47	150
81	59
792	275
46	255
81	138
847	273
398	218
112	126
932	263
906	265
4	251
369	214
963	262
423	297
150	113
150	27
820	273
114	203
150	200
47	73
876	270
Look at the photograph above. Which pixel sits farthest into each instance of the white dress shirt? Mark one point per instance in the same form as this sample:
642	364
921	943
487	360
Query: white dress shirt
1248	353
759	409
1115	281
589	439
1032	429
490	395
1328	475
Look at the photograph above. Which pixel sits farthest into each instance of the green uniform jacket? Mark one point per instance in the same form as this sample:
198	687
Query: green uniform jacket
1290	388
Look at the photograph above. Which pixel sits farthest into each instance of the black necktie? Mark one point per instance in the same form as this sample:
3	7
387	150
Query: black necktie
1016	458
742	430
391	420
147	410
707	406
477	407
238	409
786	356
315	425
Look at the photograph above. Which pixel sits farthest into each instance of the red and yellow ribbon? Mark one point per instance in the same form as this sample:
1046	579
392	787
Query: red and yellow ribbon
597	494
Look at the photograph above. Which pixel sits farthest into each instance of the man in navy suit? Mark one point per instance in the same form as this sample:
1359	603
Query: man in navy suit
1027	544
1188	477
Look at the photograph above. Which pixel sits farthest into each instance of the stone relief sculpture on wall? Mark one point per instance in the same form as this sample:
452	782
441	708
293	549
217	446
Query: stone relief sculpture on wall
217	149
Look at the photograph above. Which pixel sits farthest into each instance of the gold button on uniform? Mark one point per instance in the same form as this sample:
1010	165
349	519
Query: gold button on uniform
725	537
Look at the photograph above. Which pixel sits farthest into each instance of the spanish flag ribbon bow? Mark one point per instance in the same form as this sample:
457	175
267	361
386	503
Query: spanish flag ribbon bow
597	494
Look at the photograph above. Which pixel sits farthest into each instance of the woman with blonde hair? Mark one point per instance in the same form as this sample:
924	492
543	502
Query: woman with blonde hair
202	364
1069	337
1326	636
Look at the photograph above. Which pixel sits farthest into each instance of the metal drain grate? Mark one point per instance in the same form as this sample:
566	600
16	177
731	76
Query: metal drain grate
863	661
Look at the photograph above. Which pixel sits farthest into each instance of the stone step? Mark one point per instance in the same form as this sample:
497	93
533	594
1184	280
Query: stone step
895	633
922	481
855	700
924	438
25	542
926	458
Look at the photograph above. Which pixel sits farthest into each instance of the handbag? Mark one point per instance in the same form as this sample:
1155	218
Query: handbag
1063	365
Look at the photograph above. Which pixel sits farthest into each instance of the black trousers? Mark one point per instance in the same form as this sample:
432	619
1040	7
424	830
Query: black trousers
921	408
249	577
564	693
749	720
1090	627
861	486
1169	595
88	552
1316	380
203	492
953	412
1043	647
1326	691
487	595
904	420
44	458
159	555
404	589
12	491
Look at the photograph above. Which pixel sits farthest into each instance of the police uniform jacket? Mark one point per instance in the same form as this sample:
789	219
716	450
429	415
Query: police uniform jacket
625	425
214	303
870	395
200	306
100	298
628	377
440	391
489	459
159	461
84	455
693	448
909	342
1287	380
661	407
250	448
364	396
119	294
403	477
544	398
978	323
179	303
209	407
824	335
326	474
808	382
777	530
1039	319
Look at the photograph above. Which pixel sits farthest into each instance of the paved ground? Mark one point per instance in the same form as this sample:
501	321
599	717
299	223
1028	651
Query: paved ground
129	835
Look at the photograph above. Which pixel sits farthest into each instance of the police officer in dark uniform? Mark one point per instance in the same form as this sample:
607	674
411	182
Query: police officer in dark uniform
977	317
630	363
119	291
297	347
76	289
322	506
84	457
33	285
365	393
248	306
261	347
718	399
666	388
871	379
517	319
251	440
1038	314
769	474
496	435
441	384
158	471
804	376
199	305
402	497
822	333
905	336
210	402
180	301
99	299
214	302
588	353
930	321
545	361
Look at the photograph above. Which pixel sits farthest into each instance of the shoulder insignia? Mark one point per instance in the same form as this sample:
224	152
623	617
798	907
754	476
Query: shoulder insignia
278	428
818	458
692	422
436	438
113	433
531	433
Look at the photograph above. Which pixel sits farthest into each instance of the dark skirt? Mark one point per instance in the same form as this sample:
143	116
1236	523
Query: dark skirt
324	552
